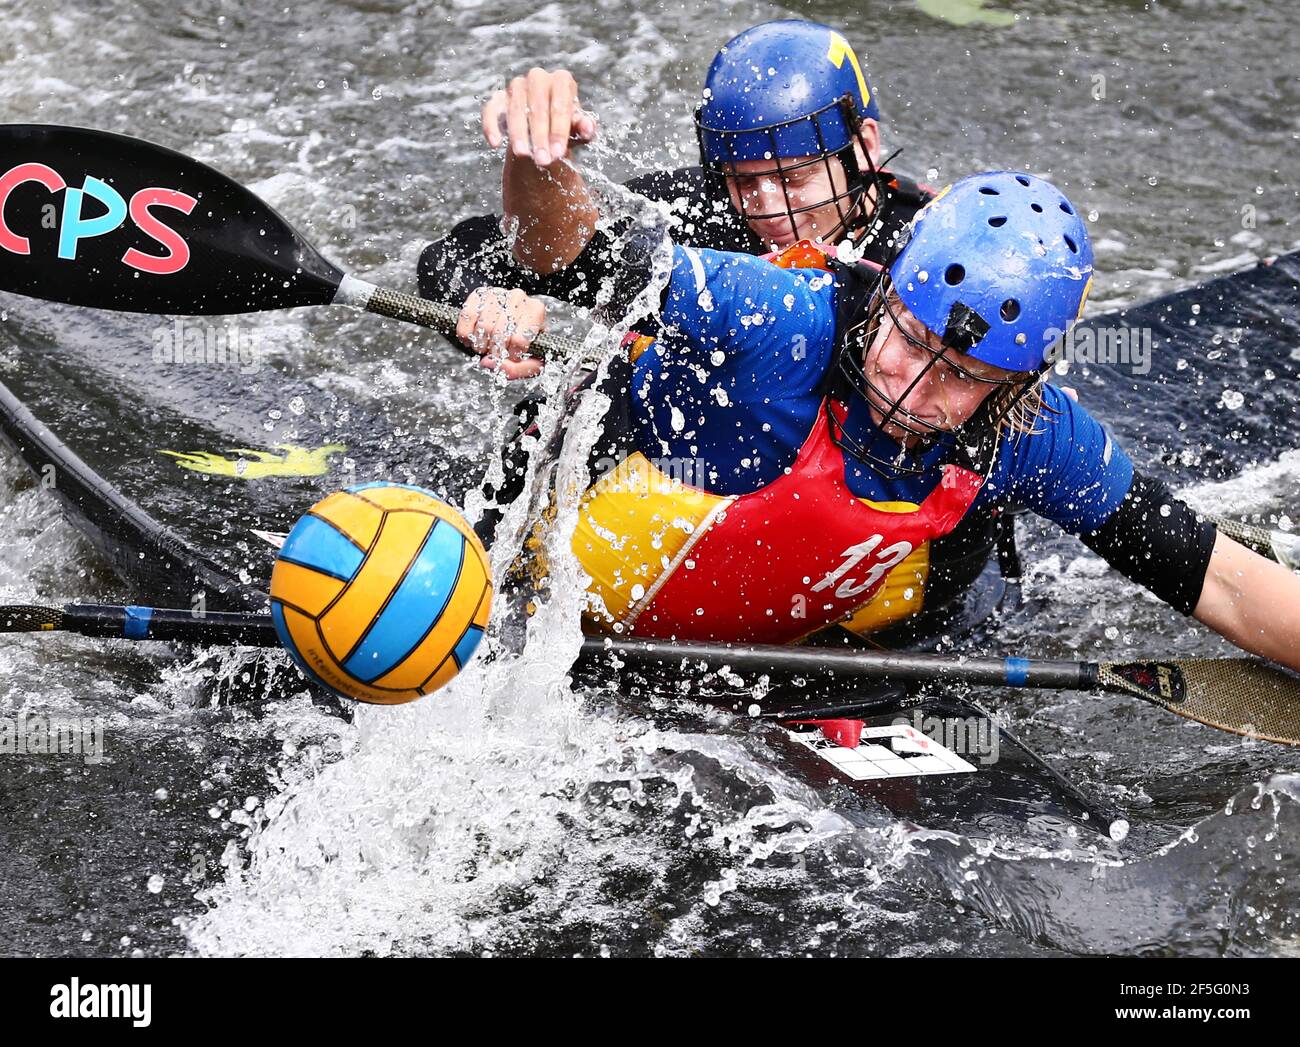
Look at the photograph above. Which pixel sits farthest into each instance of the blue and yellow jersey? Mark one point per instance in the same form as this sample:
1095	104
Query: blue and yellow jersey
735	385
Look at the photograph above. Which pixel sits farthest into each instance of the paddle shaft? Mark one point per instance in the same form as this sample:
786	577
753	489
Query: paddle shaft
435	315
217	628
214	628
897	666
1239	695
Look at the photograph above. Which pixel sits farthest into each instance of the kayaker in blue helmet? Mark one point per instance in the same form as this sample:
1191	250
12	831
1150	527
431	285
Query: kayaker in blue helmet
987	282
844	424
789	125
789	139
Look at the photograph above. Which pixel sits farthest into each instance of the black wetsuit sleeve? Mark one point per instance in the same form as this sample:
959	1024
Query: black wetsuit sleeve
1157	541
702	211
476	253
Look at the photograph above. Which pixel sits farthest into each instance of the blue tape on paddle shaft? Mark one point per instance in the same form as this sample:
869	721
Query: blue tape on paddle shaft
1017	670
136	625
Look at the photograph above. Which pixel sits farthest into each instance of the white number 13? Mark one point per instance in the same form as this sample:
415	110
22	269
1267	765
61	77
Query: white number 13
886	560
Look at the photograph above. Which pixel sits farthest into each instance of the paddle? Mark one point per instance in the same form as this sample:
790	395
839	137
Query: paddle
101	220
1238	695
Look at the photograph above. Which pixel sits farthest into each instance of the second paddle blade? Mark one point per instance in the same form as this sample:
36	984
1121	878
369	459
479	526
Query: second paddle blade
1239	695
102	220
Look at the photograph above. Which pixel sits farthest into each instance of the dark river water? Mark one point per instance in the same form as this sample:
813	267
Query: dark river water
515	814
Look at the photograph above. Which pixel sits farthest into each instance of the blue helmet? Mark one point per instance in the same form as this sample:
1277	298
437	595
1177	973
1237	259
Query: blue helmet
998	265
787	88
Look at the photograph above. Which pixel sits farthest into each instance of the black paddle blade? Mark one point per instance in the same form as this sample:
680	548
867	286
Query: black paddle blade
101	220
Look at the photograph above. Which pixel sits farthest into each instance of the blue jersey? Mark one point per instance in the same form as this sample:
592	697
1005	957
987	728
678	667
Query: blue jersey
735	381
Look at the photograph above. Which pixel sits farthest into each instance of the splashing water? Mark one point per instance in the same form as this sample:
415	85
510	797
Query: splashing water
436	811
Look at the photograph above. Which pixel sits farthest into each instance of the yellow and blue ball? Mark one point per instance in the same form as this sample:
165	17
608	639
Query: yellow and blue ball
381	593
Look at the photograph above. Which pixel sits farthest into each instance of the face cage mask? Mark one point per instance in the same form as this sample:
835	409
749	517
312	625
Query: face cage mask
884	454
852	206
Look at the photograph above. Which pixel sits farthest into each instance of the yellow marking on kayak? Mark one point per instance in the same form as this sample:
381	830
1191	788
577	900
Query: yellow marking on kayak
257	465
638	346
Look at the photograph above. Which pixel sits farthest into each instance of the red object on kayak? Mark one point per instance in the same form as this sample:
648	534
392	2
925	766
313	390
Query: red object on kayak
847	733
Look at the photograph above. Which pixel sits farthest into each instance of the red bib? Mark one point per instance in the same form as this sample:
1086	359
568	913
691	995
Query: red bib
797	555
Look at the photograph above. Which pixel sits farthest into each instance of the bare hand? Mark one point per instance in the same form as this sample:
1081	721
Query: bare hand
541	115
500	326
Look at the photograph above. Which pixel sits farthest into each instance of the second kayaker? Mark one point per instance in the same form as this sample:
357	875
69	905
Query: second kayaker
790	149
